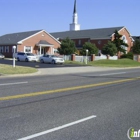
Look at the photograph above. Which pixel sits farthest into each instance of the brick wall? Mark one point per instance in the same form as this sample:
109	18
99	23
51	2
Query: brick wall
32	41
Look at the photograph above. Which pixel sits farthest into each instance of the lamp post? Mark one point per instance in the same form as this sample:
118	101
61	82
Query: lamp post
14	48
86	55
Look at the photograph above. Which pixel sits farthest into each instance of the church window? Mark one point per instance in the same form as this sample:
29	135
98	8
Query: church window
55	50
27	49
1	49
79	42
7	49
99	42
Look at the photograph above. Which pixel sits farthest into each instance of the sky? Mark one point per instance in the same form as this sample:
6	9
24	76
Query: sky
56	15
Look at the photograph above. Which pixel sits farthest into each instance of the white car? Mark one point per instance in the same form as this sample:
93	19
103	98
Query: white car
51	59
2	56
21	56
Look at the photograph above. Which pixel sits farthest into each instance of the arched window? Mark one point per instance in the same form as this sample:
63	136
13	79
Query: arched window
124	39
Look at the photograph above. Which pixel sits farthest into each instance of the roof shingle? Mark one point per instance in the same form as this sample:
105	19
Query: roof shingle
14	38
101	33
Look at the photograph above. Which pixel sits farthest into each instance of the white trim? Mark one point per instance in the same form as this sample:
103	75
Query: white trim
20	42
43	45
52	37
118	31
29	37
28	46
126	30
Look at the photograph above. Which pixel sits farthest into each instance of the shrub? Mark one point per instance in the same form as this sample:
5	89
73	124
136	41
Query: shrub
92	49
128	55
109	49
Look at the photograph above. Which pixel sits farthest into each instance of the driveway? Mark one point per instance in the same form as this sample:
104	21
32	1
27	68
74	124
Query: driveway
35	64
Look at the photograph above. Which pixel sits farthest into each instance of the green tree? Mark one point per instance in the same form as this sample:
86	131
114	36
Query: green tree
119	42
136	47
92	49
67	47
109	48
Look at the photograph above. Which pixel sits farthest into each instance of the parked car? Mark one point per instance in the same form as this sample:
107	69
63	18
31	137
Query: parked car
2	56
51	59
21	56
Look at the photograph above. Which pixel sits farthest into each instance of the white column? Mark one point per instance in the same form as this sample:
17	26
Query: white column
40	50
51	50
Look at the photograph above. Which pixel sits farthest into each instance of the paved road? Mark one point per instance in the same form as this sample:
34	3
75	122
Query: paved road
82	106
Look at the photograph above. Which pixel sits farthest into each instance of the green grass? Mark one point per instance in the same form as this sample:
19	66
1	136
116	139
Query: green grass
8	69
110	63
74	62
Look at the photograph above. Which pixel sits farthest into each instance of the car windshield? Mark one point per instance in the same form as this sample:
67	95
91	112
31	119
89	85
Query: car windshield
30	54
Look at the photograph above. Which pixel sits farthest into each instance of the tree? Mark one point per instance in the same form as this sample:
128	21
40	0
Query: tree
109	49
119	42
136	47
67	47
92	49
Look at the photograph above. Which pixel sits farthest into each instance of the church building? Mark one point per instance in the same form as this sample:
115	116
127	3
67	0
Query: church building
40	42
99	36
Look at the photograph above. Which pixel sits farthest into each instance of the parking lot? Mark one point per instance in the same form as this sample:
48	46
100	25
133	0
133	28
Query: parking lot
34	64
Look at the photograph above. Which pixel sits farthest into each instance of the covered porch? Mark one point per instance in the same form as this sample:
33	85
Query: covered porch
44	47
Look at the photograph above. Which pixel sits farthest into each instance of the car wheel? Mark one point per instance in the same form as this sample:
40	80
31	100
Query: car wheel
53	61
18	59
26	59
42	61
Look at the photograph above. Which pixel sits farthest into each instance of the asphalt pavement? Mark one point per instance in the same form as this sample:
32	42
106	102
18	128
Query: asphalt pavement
51	69
101	105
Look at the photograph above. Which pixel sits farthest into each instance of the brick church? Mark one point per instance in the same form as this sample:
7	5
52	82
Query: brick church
99	37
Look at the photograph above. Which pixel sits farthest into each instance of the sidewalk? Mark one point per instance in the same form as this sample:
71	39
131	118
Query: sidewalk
69	70
64	70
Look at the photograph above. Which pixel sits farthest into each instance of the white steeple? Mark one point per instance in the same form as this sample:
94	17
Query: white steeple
75	26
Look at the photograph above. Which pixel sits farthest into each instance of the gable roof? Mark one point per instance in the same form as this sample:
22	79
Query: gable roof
44	43
14	38
101	33
17	38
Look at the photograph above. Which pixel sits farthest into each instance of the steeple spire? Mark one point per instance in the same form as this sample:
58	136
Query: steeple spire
74	11
75	26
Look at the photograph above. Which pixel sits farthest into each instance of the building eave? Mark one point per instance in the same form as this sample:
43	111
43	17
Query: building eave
21	41
52	37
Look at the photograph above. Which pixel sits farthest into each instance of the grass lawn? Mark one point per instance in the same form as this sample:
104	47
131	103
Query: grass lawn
110	63
74	62
8	69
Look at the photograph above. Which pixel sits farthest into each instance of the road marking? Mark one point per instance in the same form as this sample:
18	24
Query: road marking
65	89
57	128
112	73
17	83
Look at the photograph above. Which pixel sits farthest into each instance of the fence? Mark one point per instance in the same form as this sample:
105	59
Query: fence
100	57
83	58
113	58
